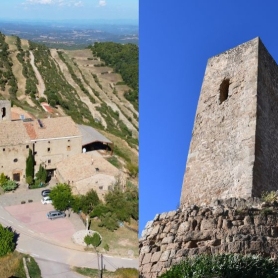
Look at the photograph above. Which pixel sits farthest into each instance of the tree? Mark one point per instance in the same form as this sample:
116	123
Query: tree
61	196
89	201
6	241
29	172
3	179
41	175
117	203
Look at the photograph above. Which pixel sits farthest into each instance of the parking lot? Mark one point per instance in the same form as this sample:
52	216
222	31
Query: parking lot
32	216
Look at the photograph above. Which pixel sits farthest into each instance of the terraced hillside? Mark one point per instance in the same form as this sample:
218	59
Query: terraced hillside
75	83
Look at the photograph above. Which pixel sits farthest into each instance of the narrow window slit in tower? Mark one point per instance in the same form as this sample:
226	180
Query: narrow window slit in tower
224	90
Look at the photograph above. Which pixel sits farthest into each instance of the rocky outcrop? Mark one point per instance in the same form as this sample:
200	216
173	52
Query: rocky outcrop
227	226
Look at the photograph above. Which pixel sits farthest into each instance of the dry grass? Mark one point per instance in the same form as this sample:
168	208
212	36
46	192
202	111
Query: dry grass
111	77
123	146
17	71
11	41
10	264
121	242
24	44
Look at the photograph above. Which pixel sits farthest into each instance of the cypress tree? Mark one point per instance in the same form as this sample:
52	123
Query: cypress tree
29	172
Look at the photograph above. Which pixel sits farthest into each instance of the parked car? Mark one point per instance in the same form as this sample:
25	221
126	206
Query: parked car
55	214
46	200
45	192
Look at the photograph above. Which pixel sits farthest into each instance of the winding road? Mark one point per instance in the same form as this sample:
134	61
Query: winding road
54	257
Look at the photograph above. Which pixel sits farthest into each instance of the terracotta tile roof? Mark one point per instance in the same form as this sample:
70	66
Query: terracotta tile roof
13	133
85	165
52	128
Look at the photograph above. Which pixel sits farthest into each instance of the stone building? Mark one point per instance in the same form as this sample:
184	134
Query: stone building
54	141
233	150
88	171
14	148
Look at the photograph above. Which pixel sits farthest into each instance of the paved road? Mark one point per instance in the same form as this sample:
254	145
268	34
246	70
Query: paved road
50	269
41	244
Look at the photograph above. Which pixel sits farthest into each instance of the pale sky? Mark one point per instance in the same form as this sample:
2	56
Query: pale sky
70	9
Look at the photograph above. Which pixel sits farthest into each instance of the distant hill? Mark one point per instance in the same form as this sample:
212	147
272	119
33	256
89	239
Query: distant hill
75	83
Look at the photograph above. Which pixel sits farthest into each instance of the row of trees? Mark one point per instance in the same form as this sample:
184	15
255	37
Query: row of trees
123	58
118	205
34	180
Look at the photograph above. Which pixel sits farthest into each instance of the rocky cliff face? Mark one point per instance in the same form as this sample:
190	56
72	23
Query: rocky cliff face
228	226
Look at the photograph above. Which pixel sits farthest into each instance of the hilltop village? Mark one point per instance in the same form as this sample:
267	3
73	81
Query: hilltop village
73	153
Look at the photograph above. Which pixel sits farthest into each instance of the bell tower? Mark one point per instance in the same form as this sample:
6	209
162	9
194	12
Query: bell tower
233	150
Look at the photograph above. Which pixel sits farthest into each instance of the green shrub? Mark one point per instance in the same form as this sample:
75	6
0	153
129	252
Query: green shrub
6	241
94	240
225	265
106	247
9	185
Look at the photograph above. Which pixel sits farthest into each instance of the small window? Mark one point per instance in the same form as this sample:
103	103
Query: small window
15	160
224	90
48	142
69	140
27	146
49	161
4	149
68	148
48	149
35	153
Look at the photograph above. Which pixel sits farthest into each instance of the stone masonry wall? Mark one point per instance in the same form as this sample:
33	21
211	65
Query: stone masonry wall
230	226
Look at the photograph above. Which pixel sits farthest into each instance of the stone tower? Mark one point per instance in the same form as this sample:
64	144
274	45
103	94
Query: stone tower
5	110
234	145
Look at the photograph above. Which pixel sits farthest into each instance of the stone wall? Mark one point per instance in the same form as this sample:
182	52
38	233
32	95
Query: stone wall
233	150
266	151
228	226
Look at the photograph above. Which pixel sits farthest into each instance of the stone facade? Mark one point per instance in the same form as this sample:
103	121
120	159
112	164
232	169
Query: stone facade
5	110
49	152
227	226
233	151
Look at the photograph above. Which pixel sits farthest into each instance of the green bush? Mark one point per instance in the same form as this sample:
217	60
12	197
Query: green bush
6	241
94	240
9	185
106	247
3	179
225	265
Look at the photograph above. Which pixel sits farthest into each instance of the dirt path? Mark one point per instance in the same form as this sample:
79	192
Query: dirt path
40	86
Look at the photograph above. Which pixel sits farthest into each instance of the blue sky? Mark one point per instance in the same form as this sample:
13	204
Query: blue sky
70	9
176	40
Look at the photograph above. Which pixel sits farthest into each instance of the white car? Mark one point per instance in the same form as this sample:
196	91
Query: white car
46	200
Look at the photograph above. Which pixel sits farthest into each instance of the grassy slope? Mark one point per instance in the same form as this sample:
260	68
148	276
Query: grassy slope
82	64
